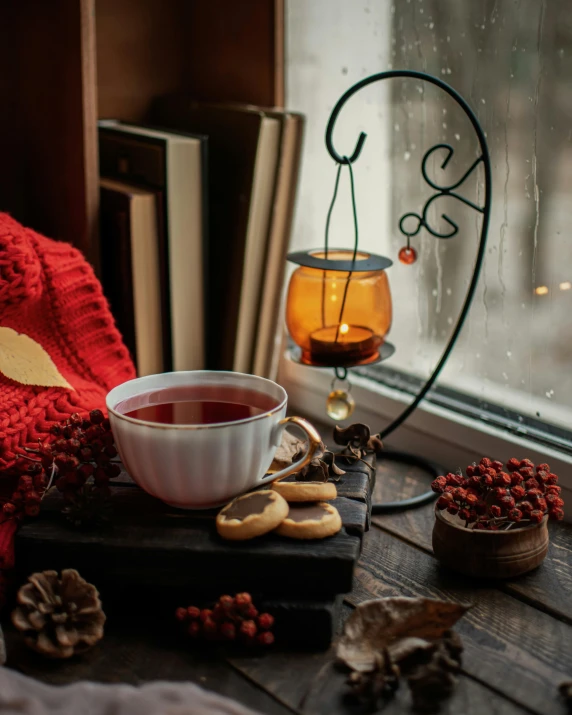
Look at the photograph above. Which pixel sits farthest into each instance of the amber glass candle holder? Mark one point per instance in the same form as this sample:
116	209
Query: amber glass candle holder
339	317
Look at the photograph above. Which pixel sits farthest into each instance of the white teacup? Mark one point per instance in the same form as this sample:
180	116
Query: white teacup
199	466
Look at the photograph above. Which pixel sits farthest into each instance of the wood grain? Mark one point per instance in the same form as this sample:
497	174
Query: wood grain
134	657
48	138
311	683
218	50
514	648
547	588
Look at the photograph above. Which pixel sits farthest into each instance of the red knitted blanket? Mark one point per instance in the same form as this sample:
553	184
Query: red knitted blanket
49	292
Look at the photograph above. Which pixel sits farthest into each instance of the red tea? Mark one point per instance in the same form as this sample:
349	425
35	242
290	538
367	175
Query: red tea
197	405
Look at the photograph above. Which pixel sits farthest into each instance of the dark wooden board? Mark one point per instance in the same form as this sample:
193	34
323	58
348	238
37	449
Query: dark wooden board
548	587
191	556
514	648
149	542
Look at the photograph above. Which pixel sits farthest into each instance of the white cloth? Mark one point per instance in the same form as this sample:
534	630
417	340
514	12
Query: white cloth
20	695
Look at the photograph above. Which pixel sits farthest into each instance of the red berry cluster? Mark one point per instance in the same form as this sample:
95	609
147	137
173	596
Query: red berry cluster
83	450
230	619
491	498
76	459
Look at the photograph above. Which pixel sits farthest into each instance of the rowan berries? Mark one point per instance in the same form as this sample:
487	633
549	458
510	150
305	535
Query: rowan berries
181	614
96	417
443	502
557	514
536	516
242	599
521	492
9	508
194	629
507	502
487	480
515	478
438	485
475	482
265	621
553	489
210	628
228	631
194	613
226	602
502	479
265	638
540	503
248	629
533	493
206	614
25	482
553	500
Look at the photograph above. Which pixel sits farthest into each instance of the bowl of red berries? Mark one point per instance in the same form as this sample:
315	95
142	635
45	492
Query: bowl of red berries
492	522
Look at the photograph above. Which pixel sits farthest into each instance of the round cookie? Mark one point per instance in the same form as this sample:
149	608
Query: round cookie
311	521
251	515
298	491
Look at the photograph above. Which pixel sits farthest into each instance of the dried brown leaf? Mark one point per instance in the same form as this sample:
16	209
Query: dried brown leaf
24	360
385	624
284	455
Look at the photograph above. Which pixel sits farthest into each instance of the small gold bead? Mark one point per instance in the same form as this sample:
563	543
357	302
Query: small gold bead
340	405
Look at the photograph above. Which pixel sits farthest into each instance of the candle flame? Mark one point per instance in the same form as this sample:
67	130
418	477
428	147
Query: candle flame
344	328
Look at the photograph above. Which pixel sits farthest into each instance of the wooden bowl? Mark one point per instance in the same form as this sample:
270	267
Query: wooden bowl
488	554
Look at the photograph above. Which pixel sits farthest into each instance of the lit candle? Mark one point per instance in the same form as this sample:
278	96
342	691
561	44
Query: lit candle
344	344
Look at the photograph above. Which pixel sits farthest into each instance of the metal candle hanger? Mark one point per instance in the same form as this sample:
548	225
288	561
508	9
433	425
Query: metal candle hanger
407	254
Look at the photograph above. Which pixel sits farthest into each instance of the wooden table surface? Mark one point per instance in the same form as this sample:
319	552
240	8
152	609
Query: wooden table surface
517	637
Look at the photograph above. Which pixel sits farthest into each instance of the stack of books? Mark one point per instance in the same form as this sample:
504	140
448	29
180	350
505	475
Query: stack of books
196	213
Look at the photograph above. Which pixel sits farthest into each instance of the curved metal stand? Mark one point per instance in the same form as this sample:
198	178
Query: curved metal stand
483	159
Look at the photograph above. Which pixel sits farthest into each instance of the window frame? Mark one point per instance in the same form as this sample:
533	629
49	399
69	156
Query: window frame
432	431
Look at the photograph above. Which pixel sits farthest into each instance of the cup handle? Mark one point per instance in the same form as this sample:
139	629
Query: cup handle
314	441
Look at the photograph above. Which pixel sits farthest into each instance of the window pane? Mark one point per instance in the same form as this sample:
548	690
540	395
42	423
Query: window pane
512	61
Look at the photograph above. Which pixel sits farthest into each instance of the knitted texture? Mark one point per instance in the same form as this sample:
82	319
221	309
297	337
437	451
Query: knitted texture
49	292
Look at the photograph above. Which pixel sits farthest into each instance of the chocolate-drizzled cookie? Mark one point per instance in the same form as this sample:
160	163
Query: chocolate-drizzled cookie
251	515
310	521
295	491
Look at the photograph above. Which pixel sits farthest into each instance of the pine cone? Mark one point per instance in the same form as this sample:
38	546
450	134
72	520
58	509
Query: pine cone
59	617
